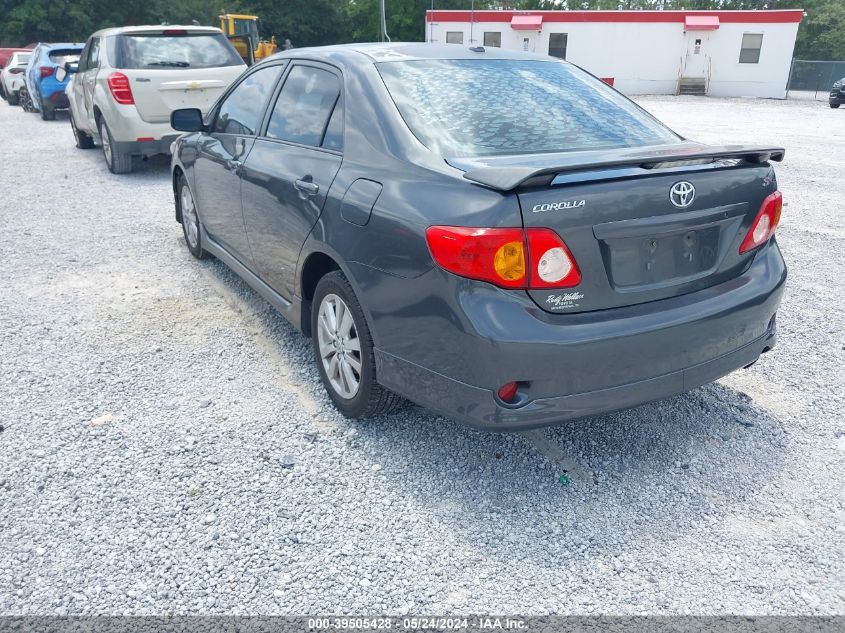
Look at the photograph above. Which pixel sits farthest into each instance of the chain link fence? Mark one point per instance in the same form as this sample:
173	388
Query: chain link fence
814	77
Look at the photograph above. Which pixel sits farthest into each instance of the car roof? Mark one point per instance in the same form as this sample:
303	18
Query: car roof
409	51
156	28
51	45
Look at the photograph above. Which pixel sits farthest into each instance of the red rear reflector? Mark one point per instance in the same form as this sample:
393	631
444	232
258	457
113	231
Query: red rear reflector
175	32
765	223
46	71
507	392
509	258
144	139
120	89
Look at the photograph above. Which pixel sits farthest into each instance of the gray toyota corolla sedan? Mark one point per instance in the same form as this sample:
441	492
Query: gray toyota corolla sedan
497	236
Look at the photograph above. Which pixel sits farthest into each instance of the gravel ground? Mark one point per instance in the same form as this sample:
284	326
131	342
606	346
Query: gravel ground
166	446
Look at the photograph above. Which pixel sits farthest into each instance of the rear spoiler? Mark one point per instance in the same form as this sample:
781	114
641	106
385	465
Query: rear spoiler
507	173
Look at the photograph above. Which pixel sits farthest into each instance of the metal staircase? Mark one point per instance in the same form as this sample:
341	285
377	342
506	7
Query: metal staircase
692	86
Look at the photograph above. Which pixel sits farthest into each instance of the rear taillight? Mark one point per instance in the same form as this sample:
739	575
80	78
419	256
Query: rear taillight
175	32
46	71
120	89
509	258
494	255
552	265
765	223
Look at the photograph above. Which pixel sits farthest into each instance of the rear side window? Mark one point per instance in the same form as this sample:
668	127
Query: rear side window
61	56
180	50
302	111
241	111
508	106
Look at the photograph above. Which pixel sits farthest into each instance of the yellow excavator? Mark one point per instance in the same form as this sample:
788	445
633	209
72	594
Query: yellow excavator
242	31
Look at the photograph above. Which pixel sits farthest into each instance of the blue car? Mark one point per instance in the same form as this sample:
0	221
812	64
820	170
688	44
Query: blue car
44	93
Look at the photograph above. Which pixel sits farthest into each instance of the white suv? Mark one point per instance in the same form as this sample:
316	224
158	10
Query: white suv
130	79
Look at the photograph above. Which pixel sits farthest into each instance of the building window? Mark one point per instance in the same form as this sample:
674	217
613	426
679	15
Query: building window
493	39
557	45
454	37
751	45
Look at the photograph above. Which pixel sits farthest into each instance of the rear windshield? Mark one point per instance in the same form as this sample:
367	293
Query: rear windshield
22	58
61	56
505	106
158	50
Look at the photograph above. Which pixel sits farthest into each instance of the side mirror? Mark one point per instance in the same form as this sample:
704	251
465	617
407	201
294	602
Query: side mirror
63	72
187	120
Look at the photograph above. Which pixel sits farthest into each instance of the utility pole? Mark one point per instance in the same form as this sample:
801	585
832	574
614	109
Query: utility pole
382	22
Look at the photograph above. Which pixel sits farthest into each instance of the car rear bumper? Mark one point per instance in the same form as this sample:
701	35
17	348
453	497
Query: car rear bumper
576	365
148	147
13	84
56	101
836	98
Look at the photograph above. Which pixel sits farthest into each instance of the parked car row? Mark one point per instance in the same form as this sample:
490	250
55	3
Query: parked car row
122	84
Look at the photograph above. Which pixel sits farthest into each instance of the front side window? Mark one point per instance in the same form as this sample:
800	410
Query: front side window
493	38
465	107
176	49
455	37
749	53
557	44
241	111
305	103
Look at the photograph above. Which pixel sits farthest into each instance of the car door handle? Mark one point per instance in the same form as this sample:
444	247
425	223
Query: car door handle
234	166
307	187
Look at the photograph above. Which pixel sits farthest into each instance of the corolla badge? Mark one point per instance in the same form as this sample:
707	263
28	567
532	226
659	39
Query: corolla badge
558	206
682	194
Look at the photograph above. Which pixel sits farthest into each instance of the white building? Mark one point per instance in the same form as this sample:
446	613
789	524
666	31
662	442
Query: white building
720	53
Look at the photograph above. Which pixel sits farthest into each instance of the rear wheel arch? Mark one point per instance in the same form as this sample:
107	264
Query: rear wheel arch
316	266
178	173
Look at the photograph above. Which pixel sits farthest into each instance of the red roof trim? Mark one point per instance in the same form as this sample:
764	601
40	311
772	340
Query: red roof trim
725	17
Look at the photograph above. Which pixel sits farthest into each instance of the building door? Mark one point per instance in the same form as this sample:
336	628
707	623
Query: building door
697	58
528	41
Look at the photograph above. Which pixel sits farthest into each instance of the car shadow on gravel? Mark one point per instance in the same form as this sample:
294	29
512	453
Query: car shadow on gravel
664	465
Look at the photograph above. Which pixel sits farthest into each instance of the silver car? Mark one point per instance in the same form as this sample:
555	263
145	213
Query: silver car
130	79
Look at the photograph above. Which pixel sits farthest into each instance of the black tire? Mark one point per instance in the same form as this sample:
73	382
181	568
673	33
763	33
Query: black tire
834	105
12	99
193	239
370	398
3	92
47	112
25	100
83	140
118	162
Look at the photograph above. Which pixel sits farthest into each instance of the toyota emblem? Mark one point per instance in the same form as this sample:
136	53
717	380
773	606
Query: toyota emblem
682	194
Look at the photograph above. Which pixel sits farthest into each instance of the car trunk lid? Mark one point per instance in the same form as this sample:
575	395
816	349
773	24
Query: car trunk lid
615	211
158	92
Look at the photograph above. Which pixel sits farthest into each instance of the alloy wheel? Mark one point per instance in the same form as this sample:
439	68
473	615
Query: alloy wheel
189	216
340	348
106	141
